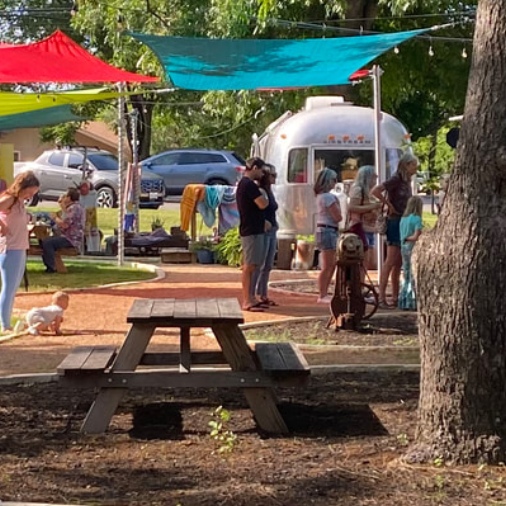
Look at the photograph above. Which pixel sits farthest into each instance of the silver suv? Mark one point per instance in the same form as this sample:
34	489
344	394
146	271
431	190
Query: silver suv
180	167
59	169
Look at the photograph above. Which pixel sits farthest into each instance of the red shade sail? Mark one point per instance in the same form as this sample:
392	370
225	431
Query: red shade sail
58	59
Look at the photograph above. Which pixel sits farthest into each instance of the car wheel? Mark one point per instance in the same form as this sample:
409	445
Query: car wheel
106	197
217	181
33	201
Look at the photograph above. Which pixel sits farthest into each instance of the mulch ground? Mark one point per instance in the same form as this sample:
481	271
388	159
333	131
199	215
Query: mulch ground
348	432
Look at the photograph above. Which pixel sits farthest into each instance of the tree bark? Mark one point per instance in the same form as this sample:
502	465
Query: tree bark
461	275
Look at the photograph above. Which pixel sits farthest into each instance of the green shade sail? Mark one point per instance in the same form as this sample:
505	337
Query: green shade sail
246	64
14	103
42	117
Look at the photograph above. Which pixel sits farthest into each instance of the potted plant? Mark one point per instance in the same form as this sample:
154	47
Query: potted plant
156	223
204	249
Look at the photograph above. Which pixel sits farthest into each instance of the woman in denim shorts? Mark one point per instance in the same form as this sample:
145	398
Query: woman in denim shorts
394	193
327	229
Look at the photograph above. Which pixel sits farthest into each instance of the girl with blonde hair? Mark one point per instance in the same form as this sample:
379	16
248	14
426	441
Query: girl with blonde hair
327	228
394	193
14	240
410	228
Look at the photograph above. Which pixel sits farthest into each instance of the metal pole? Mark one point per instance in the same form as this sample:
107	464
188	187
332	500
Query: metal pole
378	152
121	174
134	115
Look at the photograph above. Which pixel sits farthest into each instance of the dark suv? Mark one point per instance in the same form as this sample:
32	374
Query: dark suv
180	167
59	169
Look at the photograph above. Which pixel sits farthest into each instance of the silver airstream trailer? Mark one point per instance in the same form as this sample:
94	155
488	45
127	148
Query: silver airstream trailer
328	132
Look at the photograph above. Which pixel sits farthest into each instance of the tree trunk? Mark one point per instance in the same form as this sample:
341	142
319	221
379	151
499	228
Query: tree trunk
461	275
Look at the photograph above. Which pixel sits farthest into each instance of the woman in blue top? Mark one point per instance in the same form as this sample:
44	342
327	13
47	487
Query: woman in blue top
410	229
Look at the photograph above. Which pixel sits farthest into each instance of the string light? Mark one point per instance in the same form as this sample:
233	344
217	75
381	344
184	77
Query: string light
74	9
464	53
396	50
431	51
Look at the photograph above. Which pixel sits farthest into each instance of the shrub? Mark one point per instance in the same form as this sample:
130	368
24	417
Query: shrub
229	249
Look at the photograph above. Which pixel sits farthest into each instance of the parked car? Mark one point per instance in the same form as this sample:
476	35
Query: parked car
180	167
59	169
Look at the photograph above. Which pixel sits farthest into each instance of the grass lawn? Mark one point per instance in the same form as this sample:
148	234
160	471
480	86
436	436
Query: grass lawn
429	219
80	275
108	219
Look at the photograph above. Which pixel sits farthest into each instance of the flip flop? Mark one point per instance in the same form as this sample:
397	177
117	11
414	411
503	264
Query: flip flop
269	302
253	309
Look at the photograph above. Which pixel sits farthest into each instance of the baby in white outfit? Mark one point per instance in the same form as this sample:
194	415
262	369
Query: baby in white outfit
48	317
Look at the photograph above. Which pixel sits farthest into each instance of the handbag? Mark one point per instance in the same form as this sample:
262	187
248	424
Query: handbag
381	222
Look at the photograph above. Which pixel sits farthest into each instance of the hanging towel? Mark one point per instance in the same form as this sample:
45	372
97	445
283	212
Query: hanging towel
228	212
192	194
207	207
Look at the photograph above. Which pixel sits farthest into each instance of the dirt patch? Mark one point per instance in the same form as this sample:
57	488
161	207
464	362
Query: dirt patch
386	338
347	434
383	329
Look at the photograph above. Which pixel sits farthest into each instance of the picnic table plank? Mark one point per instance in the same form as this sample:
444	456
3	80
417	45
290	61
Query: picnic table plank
140	310
292	357
75	359
185	309
163	308
100	358
230	309
282	358
207	308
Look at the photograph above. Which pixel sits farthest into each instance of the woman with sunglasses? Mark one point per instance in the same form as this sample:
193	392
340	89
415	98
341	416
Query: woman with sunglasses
261	276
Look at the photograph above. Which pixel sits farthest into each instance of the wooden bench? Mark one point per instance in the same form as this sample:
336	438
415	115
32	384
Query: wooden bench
284	362
60	266
87	360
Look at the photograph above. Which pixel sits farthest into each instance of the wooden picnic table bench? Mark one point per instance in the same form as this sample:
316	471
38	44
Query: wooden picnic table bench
114	371
38	233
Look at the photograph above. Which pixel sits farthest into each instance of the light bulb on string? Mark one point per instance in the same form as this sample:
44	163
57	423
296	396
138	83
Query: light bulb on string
73	10
431	51
396	50
464	53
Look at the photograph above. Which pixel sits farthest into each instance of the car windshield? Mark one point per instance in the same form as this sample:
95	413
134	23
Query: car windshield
104	161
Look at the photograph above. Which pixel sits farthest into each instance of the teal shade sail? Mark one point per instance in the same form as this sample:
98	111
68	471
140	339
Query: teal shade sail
245	64
42	117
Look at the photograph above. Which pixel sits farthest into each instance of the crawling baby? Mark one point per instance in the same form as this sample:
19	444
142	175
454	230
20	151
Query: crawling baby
49	317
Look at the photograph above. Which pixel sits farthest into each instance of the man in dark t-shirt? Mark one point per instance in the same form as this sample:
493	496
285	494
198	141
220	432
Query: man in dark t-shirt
251	204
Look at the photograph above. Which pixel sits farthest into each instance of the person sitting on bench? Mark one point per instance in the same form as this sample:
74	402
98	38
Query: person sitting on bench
72	230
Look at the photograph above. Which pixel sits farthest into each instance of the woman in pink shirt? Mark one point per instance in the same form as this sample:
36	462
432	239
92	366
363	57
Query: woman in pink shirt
13	240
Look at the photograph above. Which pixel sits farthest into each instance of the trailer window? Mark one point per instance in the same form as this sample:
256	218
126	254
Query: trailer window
297	165
344	162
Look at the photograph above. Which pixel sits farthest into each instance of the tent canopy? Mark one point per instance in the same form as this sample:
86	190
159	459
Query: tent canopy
42	117
58	59
235	64
14	103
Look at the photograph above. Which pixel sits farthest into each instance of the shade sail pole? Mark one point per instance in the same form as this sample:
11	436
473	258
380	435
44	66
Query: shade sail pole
136	178
378	152
121	174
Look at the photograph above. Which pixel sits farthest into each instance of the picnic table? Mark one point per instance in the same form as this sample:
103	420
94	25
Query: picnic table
235	364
